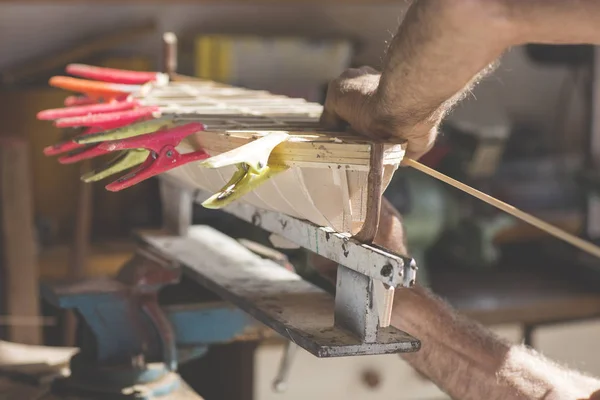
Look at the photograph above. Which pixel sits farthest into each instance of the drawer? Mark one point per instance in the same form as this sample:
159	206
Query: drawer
348	378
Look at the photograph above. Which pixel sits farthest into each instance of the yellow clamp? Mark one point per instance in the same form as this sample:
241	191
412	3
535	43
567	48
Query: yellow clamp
253	168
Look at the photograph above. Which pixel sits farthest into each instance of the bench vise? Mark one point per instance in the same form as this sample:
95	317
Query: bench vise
130	346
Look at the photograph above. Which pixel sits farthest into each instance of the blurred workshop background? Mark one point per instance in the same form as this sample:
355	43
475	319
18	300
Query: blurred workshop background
523	135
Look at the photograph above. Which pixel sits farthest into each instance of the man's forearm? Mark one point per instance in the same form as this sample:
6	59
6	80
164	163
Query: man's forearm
442	47
555	21
437	51
469	362
464	359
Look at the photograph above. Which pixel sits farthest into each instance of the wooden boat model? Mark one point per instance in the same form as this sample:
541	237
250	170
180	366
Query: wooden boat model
322	176
279	157
327	175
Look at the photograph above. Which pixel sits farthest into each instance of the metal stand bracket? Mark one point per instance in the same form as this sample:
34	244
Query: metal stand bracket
278	298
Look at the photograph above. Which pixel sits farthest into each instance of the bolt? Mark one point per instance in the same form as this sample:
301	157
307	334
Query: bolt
169	154
387	270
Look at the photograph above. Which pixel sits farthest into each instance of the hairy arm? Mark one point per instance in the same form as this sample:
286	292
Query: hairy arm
461	357
469	362
440	50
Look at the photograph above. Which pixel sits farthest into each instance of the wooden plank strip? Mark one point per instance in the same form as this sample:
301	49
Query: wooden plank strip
573	240
19	263
297	152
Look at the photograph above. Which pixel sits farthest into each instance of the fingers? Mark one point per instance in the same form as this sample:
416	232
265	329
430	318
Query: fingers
420	141
330	120
351	73
352	101
347	99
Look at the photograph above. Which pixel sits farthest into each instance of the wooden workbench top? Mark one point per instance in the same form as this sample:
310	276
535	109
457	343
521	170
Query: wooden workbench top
526	287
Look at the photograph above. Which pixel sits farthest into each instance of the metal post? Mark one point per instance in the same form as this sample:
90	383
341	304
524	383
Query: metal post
176	207
374	185
170	53
355	308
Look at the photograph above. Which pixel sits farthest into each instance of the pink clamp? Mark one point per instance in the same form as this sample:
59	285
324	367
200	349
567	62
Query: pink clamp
163	153
82	153
86	150
86	100
113	75
108	119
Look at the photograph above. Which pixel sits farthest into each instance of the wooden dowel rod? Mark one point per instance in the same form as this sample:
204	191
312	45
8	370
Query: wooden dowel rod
538	223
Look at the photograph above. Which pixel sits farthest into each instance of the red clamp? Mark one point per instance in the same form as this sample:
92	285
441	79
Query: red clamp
110	84
71	101
109	119
81	152
67	145
95	123
163	153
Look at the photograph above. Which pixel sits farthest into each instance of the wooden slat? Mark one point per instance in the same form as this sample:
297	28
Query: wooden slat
19	261
296	151
80	247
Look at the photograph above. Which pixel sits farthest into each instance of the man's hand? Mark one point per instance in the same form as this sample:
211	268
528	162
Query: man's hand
441	50
352	99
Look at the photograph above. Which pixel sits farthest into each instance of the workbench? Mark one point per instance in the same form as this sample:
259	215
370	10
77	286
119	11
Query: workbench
133	343
522	291
526	288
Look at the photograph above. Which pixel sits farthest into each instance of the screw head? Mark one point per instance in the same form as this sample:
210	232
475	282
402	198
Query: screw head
386	270
169	153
